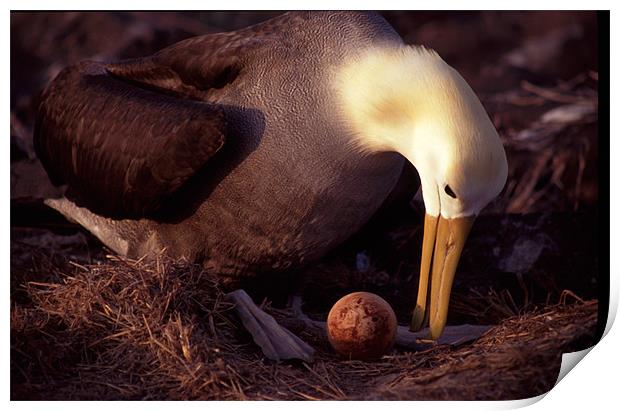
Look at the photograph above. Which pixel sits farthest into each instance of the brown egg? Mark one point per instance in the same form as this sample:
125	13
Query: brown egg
361	326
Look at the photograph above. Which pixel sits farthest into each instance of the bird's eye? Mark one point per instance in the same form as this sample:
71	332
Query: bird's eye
449	191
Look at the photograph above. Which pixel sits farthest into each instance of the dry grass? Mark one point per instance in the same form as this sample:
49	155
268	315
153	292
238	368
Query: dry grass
125	329
551	158
519	358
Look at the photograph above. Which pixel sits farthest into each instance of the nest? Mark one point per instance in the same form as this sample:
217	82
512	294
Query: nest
122	329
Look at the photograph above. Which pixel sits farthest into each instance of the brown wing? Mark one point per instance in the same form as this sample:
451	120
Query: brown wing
120	148
190	67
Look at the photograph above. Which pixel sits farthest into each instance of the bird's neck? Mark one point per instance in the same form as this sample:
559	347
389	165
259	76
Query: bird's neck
391	98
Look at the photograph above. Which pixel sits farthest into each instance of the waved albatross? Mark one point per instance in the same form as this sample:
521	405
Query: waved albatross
260	150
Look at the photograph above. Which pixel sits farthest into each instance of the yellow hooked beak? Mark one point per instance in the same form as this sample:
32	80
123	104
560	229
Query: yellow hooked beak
441	249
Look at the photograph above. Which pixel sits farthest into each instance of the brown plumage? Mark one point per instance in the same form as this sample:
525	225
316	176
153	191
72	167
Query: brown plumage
89	141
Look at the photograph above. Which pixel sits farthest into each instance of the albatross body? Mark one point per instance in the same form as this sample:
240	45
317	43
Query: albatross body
262	149
286	186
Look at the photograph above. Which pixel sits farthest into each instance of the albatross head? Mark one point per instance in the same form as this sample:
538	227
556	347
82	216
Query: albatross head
410	101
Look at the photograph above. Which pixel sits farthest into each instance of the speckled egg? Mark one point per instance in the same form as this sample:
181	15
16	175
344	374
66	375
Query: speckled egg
361	326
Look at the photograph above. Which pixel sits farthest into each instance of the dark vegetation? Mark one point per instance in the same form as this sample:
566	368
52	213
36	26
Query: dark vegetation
86	325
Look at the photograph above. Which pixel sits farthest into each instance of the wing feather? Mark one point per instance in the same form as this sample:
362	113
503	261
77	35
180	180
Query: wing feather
120	148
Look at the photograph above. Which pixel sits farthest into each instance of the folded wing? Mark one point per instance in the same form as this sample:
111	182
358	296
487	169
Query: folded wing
122	149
